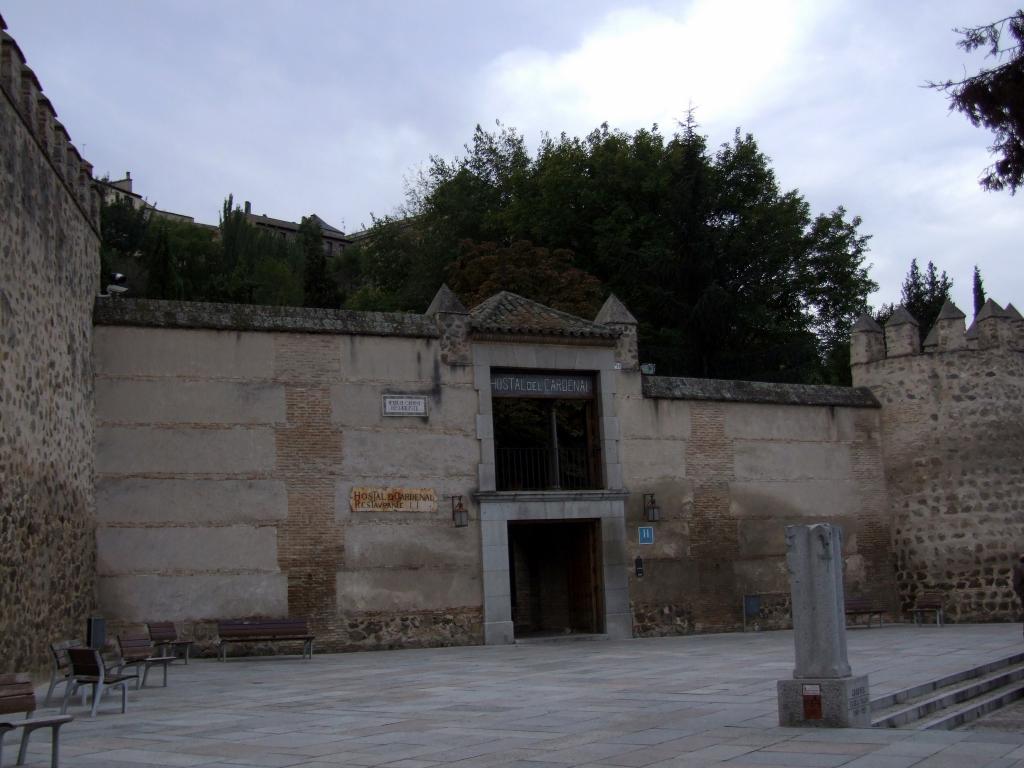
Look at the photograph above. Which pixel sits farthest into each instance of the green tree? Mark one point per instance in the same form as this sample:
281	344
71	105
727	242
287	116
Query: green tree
728	274
256	266
164	278
484	269
979	291
240	248
318	287
391	269
994	97
922	295
124	232
276	283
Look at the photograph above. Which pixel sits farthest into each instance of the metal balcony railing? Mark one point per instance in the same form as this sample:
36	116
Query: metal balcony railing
535	469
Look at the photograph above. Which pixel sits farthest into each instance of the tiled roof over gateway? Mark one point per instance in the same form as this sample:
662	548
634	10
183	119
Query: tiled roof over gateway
509	313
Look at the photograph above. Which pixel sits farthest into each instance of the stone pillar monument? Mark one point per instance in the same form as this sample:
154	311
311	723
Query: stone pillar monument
822	692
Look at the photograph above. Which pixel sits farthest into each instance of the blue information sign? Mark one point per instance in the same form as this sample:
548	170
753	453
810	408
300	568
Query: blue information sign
646	534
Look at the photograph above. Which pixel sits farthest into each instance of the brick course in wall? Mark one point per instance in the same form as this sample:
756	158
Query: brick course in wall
309	449
714	545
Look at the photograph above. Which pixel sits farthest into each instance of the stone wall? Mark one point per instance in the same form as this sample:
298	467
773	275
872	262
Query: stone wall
49	264
226	460
953	436
731	464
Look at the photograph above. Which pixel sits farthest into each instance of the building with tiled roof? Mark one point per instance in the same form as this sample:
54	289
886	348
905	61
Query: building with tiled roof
334	239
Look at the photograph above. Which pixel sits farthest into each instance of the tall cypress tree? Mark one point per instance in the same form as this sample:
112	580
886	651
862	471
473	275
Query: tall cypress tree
320	290
979	291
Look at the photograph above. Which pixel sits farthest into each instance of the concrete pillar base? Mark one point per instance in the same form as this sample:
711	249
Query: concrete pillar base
838	702
499	633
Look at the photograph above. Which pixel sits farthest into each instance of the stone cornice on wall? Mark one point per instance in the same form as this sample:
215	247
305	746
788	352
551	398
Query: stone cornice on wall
680	388
154	313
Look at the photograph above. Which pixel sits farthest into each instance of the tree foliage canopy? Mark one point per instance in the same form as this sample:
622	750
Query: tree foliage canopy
728	274
484	269
994	97
978	290
922	296
168	259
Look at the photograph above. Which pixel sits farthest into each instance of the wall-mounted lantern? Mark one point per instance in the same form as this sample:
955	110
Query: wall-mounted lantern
460	517
651	509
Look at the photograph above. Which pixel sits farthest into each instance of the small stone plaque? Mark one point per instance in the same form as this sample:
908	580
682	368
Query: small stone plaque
405	405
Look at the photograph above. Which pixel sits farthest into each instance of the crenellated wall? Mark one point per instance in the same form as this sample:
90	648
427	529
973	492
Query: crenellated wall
49	265
952	423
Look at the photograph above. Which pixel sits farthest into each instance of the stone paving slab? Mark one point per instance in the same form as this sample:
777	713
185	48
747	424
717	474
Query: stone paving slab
706	700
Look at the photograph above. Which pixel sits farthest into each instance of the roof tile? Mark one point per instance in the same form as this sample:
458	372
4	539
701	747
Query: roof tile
507	312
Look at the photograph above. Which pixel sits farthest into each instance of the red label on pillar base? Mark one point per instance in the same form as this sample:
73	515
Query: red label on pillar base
812	702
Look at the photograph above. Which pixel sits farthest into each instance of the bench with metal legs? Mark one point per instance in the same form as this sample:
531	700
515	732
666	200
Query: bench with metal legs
17	696
61	667
929	602
88	669
165	637
137	651
264	631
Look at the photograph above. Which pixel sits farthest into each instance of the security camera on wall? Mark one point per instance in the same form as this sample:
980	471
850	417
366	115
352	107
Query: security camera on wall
117	285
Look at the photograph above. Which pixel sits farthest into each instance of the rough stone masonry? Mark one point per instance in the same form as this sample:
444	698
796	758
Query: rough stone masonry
49	265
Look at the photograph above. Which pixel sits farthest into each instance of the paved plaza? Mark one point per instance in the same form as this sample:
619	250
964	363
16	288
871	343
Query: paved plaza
684	701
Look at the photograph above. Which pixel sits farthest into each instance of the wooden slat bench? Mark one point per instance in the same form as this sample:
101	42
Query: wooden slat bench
61	671
18	697
137	651
88	668
861	606
165	636
264	631
930	600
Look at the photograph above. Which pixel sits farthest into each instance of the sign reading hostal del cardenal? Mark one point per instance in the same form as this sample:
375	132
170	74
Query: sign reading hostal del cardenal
393	499
549	385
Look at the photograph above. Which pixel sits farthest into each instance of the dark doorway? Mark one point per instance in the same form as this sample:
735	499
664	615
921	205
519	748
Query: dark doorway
555	573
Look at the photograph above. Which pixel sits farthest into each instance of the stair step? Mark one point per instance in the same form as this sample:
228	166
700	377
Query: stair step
909	694
975	709
949	696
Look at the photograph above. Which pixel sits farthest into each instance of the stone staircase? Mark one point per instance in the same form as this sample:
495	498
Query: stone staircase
951	701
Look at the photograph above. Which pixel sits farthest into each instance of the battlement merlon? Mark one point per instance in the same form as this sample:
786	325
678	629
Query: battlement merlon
997	327
993	328
867	341
21	87
614	314
902	334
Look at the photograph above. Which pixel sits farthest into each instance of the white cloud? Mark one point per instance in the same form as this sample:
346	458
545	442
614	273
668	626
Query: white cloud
639	66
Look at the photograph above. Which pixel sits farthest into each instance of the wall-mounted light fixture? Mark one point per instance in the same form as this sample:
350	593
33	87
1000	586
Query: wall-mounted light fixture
460	517
651	509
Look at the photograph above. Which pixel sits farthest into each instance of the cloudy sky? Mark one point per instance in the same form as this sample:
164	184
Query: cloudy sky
329	106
